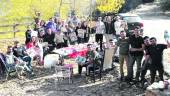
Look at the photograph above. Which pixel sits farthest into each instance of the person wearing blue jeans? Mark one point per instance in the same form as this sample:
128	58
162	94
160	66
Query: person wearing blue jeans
135	54
20	52
28	60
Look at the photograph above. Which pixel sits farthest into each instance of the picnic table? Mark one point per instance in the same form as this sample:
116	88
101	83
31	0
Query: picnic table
73	51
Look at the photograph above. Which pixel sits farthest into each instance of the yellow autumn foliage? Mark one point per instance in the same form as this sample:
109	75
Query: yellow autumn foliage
16	10
23	11
109	5
19	9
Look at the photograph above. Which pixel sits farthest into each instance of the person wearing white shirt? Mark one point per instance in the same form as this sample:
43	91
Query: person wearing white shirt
100	30
118	26
11	60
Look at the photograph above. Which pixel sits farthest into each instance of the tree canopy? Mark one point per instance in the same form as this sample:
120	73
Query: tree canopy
19	9
16	10
109	5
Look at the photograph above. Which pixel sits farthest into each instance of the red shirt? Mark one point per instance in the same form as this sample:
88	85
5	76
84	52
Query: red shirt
30	45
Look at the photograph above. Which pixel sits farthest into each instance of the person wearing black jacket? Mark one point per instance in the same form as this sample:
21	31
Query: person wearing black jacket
49	37
2	66
28	35
109	28
86	35
80	39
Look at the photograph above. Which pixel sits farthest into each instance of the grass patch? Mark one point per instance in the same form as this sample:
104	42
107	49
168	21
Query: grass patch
10	35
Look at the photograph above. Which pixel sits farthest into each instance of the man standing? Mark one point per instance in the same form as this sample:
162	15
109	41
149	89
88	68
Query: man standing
100	30
136	54
123	44
146	62
156	53
109	28
118	26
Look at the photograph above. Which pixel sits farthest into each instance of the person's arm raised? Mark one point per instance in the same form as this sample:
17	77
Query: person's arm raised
168	43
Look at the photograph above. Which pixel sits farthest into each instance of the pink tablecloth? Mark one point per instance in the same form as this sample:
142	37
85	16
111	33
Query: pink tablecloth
78	53
68	65
73	51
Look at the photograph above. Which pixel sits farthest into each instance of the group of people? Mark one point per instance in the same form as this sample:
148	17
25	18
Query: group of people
15	55
44	37
133	48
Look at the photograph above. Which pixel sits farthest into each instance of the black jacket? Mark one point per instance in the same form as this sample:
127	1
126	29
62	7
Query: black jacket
2	66
109	28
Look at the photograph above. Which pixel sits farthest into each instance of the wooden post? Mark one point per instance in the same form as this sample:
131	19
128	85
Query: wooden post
14	29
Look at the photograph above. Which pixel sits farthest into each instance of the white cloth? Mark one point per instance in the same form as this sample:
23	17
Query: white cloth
51	60
34	33
34	51
118	27
81	33
63	29
100	28
10	59
59	38
108	58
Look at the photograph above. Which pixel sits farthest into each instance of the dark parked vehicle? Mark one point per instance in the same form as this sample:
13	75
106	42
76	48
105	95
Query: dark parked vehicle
147	1
132	20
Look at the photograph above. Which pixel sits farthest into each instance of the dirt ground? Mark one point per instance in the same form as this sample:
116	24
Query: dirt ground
45	84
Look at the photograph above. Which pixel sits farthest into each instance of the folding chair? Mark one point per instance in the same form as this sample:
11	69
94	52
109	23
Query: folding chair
22	68
9	68
96	69
63	72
